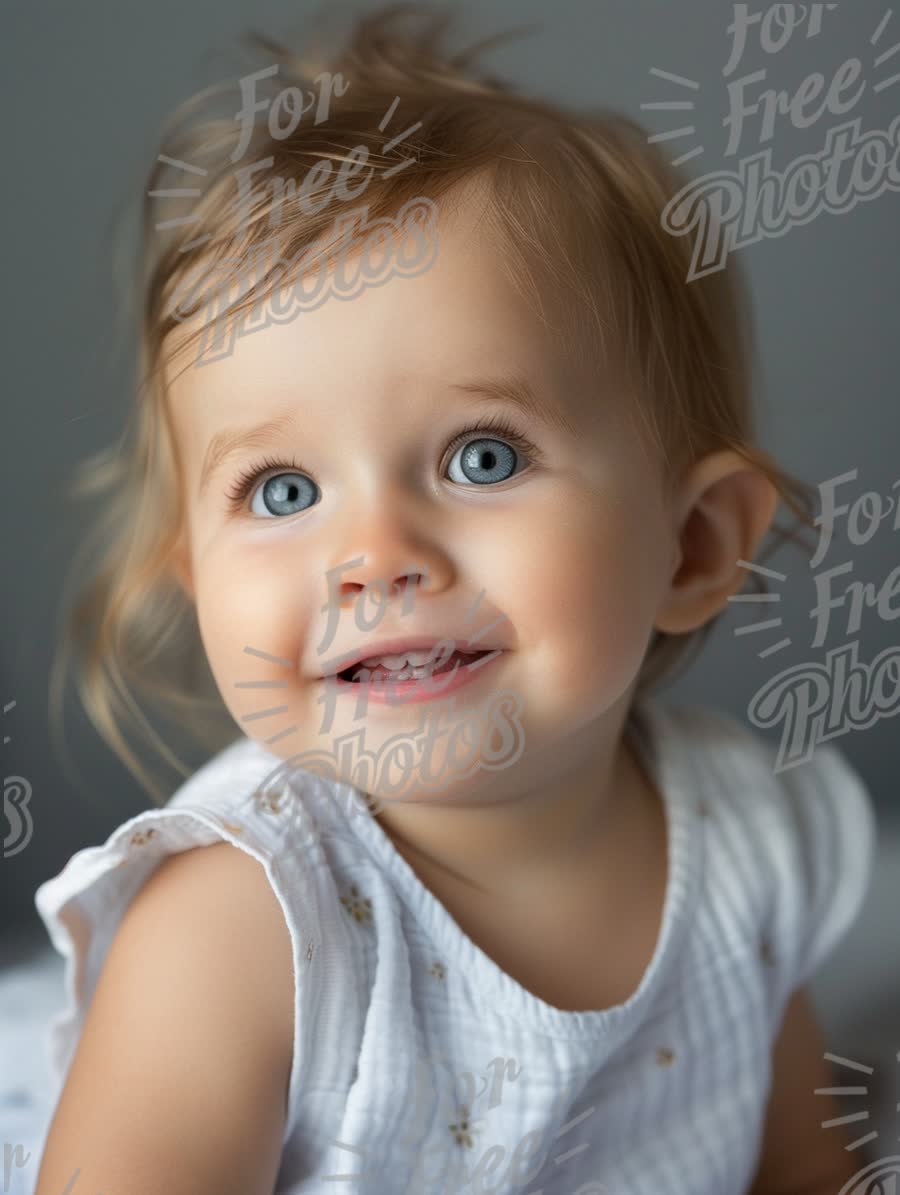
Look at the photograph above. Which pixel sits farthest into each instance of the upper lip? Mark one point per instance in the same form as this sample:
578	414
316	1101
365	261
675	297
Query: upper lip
396	647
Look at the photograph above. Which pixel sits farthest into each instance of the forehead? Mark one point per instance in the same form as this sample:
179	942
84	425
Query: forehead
391	348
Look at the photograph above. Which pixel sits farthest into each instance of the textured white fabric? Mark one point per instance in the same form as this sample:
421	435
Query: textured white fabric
402	1022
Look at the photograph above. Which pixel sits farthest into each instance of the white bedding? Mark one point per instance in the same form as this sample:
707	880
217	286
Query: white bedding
31	993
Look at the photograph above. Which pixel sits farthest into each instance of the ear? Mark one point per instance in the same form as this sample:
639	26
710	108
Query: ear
724	508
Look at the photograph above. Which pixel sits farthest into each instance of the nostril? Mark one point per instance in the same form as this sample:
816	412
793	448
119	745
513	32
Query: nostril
410	578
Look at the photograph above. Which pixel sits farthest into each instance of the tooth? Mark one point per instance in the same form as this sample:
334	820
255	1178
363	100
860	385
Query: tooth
414	659
418	658
392	662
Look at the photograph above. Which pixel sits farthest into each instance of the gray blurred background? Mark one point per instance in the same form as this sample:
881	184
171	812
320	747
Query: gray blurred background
87	88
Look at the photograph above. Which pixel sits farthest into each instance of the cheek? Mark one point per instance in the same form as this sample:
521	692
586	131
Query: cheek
590	601
247	611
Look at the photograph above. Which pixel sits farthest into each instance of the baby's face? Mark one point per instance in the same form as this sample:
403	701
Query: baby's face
564	551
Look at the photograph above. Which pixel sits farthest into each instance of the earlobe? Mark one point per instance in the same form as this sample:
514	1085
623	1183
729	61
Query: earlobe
725	509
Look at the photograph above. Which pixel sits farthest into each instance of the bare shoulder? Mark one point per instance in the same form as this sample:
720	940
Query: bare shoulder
179	1082
213	910
225	893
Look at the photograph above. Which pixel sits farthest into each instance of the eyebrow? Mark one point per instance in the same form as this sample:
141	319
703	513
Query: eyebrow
516	389
232	441
512	389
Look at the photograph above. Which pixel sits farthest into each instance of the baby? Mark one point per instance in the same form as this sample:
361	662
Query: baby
463	907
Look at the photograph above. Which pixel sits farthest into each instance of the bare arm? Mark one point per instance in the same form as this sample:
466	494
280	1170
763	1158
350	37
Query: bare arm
798	1156
179	1082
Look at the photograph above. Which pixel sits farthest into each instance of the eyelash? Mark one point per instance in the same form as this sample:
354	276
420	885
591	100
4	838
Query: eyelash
497	425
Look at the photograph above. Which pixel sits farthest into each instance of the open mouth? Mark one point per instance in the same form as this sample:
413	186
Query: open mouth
410	668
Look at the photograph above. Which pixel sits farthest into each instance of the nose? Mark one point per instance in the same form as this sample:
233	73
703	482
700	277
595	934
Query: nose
388	552
360	574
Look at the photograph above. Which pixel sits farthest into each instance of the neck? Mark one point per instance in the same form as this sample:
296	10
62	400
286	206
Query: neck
511	840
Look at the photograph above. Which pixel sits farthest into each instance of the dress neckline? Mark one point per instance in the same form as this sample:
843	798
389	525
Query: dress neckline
671	767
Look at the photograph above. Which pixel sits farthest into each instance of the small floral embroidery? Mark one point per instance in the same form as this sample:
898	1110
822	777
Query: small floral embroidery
438	970
269	802
141	837
309	952
232	828
371	803
462	1131
665	1057
358	907
766	954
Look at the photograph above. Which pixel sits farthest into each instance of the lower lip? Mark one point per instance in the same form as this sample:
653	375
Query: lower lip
412	692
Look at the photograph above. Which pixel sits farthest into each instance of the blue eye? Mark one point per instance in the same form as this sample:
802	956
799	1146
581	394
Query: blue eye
286	493
484	461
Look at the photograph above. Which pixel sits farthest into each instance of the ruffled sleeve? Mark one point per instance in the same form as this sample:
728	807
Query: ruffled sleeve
825	857
83	906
